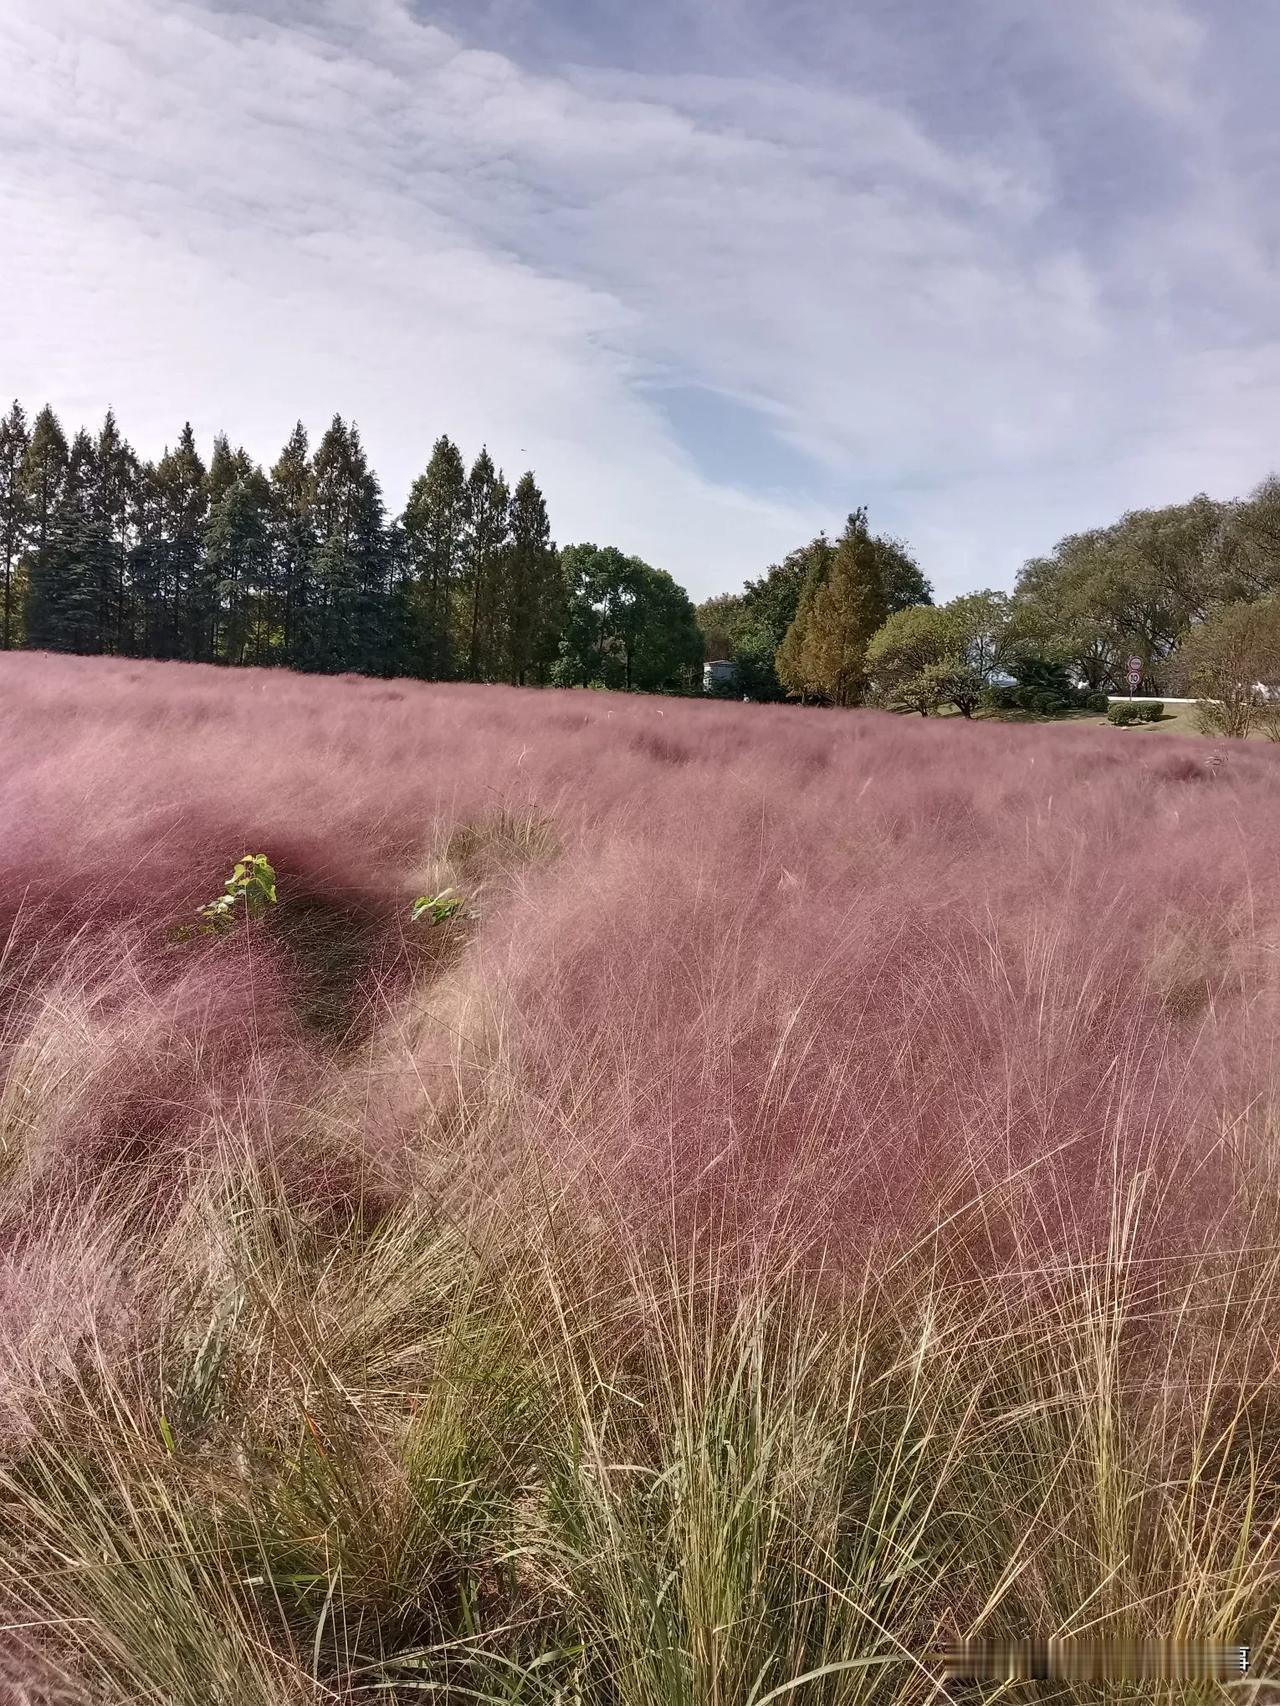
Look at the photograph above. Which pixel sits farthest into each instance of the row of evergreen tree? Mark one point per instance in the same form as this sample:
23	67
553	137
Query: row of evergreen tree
102	552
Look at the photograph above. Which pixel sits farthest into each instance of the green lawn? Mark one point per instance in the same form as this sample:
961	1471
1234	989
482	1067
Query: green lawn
1177	720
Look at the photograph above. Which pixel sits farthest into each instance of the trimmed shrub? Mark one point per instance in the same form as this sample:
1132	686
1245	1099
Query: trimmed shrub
1049	704
1126	712
1001	699
1097	702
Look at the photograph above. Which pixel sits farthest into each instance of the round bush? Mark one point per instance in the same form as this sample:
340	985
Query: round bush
1001	699
1124	713
1096	702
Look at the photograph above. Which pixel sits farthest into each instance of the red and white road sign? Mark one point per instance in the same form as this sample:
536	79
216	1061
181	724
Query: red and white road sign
1135	672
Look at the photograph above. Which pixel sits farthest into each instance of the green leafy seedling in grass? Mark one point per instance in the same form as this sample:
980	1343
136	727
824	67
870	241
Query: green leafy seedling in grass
436	907
251	887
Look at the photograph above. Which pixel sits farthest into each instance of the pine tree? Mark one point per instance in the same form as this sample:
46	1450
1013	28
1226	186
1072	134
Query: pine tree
350	628
332	570
150	625
821	653
237	548
434	522
795	662
111	502
224	470
67	572
14	507
376	641
169	559
532	601
488	502
292	525
184	624
397	629
44	468
848	609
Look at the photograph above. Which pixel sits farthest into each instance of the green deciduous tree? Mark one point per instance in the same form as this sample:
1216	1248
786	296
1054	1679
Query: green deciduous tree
908	644
662	648
1131	589
1224	661
932	655
720	620
1245	553
901	577
628	625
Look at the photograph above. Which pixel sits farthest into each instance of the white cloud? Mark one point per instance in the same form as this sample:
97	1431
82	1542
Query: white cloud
247	217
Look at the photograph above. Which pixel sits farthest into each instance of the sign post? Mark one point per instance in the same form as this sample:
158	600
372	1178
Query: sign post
1135	675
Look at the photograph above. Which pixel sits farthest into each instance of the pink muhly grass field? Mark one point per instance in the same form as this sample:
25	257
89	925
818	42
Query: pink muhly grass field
833	971
817	1196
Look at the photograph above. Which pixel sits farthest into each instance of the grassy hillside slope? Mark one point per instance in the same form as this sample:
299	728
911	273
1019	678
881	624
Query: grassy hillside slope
815	1198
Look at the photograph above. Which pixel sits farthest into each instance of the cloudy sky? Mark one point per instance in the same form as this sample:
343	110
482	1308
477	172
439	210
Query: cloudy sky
719	270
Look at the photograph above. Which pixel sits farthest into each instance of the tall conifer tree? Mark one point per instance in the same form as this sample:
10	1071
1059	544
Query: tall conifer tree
186	616
170	559
435	528
44	468
237	545
14	508
850	605
224	470
292	524
115	473
532	604
795	663
350	629
148	613
488	502
64	609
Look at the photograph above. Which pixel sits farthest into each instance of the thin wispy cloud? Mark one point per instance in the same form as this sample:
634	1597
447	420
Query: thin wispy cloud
717	280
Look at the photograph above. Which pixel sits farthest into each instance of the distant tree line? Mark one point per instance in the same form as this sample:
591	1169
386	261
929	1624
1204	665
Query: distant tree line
1192	591
102	552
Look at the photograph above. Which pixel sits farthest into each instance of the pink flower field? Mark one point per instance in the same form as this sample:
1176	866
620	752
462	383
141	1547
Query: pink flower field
759	953
939	1047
